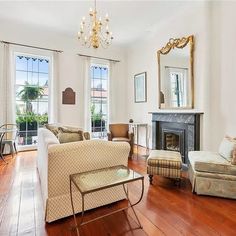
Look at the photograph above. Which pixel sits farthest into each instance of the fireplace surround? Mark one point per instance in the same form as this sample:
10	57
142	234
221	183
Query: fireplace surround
176	131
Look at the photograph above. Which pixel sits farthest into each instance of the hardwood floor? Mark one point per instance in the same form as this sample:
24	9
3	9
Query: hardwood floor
165	209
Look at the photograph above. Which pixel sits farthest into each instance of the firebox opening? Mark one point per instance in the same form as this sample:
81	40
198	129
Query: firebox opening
172	142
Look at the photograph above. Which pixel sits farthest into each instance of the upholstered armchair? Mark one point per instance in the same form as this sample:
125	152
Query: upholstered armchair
121	133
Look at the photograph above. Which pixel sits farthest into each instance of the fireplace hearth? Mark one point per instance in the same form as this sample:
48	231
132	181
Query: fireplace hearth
176	131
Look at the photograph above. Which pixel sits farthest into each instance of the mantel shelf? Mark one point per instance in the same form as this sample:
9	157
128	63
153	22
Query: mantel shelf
176	112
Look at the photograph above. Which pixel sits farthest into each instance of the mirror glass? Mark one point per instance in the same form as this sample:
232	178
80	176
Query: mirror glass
176	74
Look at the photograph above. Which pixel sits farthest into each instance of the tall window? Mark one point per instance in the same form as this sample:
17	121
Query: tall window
31	89
99	100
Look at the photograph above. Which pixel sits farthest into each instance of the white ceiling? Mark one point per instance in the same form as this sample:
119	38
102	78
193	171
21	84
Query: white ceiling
129	20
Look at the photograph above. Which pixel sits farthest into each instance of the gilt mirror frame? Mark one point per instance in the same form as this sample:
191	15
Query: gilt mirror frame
172	44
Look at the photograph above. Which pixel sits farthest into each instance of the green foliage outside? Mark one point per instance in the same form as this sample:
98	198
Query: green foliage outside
30	117
95	116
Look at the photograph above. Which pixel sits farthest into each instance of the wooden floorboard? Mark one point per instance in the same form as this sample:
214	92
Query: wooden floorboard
166	209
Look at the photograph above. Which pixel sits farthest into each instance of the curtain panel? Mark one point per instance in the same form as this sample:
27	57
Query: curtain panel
7	96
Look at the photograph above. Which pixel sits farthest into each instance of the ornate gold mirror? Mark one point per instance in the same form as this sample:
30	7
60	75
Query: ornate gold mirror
175	70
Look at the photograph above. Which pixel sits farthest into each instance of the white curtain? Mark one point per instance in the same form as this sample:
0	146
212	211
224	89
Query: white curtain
113	83
87	93
54	90
7	95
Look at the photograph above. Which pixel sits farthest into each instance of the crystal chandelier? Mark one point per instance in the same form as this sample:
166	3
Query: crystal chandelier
96	32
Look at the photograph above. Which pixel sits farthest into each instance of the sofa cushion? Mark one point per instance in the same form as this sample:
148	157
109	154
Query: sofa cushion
211	162
227	147
67	135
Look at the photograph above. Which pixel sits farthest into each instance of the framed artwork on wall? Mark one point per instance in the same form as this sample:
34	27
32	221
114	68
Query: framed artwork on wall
140	87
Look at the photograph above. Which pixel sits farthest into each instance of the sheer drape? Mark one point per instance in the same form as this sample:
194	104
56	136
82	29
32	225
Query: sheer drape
7	96
87	93
54	90
113	77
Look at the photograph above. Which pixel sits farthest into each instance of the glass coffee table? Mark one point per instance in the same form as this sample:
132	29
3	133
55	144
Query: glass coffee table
96	180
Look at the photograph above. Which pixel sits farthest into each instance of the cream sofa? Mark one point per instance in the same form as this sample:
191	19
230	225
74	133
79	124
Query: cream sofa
55	162
212	174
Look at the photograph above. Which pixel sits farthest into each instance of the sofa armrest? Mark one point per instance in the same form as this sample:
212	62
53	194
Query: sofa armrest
46	139
87	135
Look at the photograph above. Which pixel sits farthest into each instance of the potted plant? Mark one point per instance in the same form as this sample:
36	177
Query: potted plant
30	93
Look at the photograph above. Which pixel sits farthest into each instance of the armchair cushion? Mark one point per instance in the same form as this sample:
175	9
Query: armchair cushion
121	139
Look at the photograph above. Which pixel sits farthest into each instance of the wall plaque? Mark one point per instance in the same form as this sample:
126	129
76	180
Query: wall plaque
68	96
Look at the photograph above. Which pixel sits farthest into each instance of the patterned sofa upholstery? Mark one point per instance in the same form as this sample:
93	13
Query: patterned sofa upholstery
211	174
55	162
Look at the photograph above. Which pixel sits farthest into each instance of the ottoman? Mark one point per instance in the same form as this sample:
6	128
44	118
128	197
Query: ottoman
164	163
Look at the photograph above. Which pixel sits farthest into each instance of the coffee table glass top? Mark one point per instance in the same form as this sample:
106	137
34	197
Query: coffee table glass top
103	178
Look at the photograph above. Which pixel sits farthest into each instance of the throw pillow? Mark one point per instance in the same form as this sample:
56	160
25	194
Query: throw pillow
53	128
227	147
66	135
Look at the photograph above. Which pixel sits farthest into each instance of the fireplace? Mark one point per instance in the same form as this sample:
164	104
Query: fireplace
171	141
176	132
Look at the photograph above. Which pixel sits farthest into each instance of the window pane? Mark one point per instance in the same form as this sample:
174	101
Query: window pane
43	79
96	72
104	73
30	64
33	78
20	107
43	66
44	97
22	138
21	63
104	85
35	65
21	77
43	108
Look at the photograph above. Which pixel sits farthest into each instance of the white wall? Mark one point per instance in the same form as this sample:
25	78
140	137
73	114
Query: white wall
71	72
142	57
223	72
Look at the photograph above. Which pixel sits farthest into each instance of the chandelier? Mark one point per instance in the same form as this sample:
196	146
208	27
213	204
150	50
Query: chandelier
96	32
